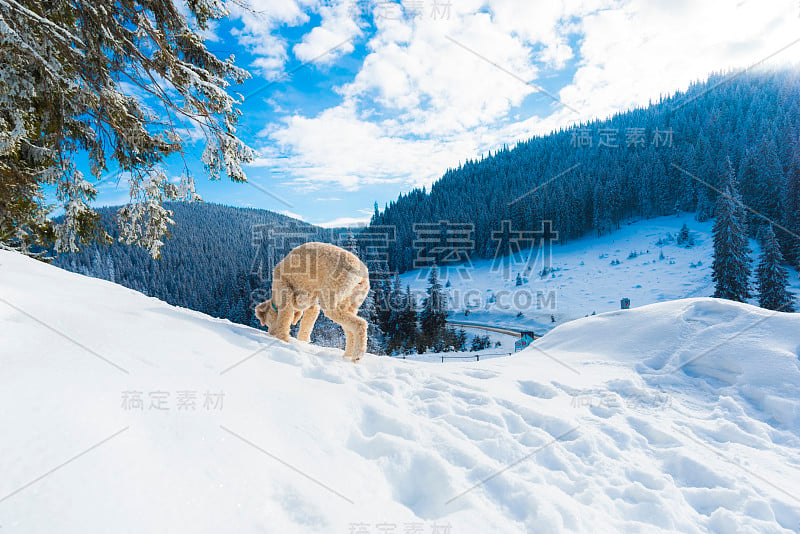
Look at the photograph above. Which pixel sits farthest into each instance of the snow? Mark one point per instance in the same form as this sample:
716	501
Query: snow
584	280
679	416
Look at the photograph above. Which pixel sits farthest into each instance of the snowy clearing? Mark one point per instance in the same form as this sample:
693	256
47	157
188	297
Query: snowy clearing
681	416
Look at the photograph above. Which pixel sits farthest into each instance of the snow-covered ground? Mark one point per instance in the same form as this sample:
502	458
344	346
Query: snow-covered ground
681	416
584	280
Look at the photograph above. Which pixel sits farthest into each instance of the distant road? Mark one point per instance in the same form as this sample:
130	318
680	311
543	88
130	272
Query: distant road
497	329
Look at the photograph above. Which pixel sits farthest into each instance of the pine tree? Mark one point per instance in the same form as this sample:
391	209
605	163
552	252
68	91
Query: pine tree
772	278
731	266
383	307
407	332
433	317
602	217
705	209
381	290
792	214
66	69
390	317
454	340
480	343
375	338
376	213
684	236
461	339
351	244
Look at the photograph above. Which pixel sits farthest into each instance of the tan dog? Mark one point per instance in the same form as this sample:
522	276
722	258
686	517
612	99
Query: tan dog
318	276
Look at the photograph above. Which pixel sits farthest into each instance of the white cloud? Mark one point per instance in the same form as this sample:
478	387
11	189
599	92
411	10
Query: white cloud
345	222
432	85
337	147
420	103
260	20
292	215
332	38
641	50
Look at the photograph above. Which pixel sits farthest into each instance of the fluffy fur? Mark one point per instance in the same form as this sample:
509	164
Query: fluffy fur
313	277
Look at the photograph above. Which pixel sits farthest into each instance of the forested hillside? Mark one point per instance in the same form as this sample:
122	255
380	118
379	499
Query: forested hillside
646	162
211	262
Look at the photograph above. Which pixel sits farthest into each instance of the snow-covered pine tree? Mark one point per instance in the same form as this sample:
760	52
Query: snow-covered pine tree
460	339
351	244
375	338
772	278
392	309
408	333
792	214
480	343
769	185
705	209
382	291
731	266
433	316
685	236
601	219
66	67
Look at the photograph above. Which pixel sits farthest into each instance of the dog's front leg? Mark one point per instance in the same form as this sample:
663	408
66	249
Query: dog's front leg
307	323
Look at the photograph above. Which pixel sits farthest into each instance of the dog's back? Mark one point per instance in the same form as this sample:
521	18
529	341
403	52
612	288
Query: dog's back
324	273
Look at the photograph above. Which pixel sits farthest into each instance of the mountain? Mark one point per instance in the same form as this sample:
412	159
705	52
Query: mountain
651	161
126	414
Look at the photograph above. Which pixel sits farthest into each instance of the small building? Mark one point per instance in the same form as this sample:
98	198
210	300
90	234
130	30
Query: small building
625	304
525	338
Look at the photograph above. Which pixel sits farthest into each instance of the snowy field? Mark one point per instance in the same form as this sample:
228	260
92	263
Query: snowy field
583	279
681	416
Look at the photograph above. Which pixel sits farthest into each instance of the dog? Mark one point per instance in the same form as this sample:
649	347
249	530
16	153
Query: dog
312	277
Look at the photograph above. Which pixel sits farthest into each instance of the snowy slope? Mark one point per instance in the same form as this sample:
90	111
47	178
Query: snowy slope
584	279
605	424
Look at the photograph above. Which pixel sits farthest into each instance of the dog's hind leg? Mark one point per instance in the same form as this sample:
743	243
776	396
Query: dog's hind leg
355	330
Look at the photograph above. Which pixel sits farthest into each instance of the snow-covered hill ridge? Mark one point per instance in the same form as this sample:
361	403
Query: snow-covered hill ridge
681	416
700	345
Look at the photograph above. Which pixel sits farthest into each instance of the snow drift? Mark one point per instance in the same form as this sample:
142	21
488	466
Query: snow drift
124	414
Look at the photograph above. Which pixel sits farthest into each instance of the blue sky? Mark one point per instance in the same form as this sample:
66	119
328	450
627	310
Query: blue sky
391	94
